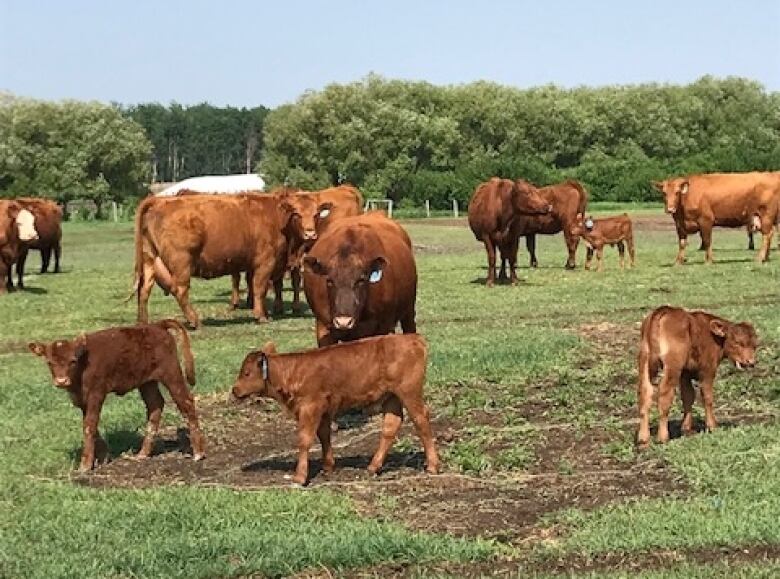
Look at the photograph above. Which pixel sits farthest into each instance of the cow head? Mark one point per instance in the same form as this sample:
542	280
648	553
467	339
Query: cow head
582	225
308	217
253	376
739	341
526	199
348	278
24	220
674	191
65	359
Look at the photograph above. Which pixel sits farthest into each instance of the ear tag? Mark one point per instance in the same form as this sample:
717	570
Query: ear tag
589	224
264	367
375	276
324	213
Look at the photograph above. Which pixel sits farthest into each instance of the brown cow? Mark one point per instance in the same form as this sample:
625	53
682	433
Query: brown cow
384	373
494	210
360	279
567	200
611	231
17	227
119	360
687	345
48	224
209	236
700	202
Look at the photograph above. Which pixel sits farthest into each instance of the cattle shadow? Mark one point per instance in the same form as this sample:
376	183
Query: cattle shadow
504	282
129	441
394	461
34	290
699	427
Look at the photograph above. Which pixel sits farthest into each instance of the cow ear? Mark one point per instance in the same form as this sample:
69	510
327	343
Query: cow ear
324	210
315	265
269	348
37	348
684	187
658	185
718	328
376	269
13	210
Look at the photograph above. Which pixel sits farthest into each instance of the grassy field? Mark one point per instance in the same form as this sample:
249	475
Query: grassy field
532	388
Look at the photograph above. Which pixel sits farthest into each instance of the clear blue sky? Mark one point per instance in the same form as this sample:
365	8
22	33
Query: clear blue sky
249	53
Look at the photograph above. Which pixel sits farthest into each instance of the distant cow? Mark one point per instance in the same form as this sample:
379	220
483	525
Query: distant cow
17	227
360	279
697	203
567	200
384	373
48	224
494	211
209	236
612	231
687	346
119	360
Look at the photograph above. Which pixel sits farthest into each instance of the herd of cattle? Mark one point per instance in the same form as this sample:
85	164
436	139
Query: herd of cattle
360	280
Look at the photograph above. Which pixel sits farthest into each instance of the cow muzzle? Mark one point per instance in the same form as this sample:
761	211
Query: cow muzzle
309	235
745	364
671	210
343	322
62	382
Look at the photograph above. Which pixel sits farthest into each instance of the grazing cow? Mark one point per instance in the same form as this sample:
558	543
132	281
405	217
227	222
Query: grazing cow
700	202
687	346
567	199
48	224
313	211
209	236
360	279
17	227
494	210
383	373
119	360
612	231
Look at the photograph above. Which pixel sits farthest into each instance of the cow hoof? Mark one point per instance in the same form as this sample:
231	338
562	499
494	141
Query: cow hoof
489	284
373	470
263	320
142	456
434	469
198	457
570	266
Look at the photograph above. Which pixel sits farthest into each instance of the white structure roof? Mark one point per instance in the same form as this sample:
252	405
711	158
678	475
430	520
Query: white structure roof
217	184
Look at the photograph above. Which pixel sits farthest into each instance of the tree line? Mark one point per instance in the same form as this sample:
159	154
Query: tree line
412	141
409	141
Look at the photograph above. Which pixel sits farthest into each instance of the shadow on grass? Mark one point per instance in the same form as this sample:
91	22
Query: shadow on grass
699	427
30	290
122	441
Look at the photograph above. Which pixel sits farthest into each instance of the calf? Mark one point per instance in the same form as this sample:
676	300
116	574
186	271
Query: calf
384	373
120	360
687	346
607	231
17	227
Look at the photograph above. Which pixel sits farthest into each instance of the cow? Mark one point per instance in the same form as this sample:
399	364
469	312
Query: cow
209	236
119	360
48	224
313	211
697	203
567	199
494	210
383	373
17	227
360	279
687	346
611	231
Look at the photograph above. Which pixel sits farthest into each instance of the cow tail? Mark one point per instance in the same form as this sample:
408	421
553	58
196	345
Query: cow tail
186	349
138	272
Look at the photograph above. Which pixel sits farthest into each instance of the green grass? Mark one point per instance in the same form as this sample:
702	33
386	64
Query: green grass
491	352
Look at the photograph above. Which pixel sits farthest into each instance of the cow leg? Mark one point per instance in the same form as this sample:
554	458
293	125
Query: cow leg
588	257
278	307
91	417
751	242
323	433
644	393
572	241
5	277
767	231
706	239
512	254
235	297
622	254
600	258
420	415
707	394
182	397
530	245
408	323
181	291
150	393
491	255
309	420
20	267
145	291
260	277
295	279
504	258
45	259
57	253
631	249
250	294
682	239
391	423
687	395
666	392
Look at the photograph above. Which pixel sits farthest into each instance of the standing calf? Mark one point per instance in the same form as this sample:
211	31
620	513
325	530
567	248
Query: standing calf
607	231
120	360
384	372
687	346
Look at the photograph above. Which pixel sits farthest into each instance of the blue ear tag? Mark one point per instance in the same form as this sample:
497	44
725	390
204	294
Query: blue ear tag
264	367
589	224
375	276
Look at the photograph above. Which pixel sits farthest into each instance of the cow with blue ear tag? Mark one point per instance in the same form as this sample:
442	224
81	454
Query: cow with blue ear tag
360	279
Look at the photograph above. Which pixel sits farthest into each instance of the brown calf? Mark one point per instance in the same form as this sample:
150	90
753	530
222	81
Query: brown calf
382	372
687	346
612	231
120	360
